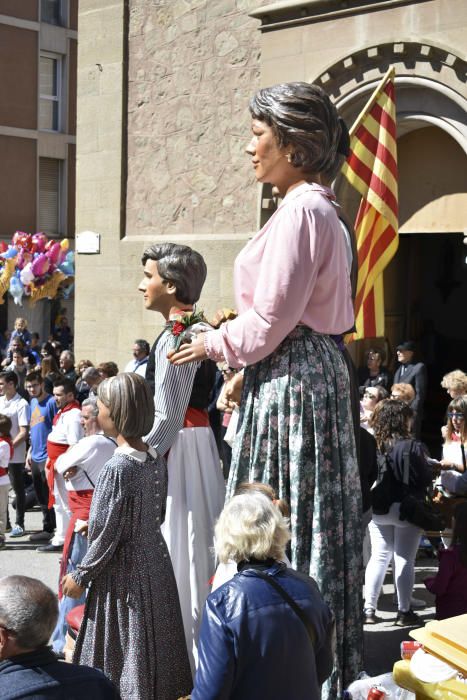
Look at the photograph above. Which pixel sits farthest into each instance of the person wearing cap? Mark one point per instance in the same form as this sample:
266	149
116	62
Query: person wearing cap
414	373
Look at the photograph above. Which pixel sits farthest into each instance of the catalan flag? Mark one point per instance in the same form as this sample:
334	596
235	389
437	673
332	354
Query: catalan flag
372	169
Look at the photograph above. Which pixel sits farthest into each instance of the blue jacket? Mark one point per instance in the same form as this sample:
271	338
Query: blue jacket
253	645
39	675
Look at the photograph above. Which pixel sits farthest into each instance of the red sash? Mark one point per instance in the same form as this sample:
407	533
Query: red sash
80	503
196	418
54	450
4	470
68	407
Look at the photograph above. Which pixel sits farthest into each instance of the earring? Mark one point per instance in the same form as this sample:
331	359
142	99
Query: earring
289	157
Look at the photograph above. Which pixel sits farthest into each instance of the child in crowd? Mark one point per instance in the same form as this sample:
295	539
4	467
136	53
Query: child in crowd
225	572
6	453
450	583
21	332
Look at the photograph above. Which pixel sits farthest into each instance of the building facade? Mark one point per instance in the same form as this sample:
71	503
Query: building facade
163	121
38	54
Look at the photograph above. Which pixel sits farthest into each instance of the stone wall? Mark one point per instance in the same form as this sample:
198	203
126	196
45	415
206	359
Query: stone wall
192	68
193	65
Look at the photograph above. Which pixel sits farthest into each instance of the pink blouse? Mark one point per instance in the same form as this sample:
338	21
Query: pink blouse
294	271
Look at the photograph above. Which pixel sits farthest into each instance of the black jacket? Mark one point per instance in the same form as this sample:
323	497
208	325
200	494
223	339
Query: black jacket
420	471
39	675
414	374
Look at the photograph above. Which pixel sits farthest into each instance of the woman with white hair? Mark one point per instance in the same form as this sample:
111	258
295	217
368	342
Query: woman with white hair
266	633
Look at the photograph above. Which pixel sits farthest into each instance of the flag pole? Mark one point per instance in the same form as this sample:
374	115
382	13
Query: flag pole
379	88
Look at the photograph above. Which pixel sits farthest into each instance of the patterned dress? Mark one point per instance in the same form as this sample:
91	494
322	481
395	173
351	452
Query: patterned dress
293	292
296	434
132	627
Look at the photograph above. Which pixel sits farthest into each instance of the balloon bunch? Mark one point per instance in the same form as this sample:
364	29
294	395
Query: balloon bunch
34	266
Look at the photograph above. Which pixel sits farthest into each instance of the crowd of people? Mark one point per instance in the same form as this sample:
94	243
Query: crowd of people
393	421
131	471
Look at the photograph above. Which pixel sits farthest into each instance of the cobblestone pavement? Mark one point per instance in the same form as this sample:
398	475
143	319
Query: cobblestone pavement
382	641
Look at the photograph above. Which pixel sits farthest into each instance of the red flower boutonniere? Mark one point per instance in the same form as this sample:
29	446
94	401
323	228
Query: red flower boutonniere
179	326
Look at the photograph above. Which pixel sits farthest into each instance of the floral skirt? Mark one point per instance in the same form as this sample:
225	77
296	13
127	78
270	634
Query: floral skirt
296	434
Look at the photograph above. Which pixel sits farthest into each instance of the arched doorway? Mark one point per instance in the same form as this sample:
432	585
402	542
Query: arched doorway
426	283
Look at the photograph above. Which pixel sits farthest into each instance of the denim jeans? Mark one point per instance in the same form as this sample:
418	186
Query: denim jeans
79	547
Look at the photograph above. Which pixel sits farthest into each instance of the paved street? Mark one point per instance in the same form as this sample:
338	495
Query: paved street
20	556
382	641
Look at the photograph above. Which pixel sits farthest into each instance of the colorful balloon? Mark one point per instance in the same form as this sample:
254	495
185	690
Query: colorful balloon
39	241
10	253
16	290
67	268
27	275
40	265
53	252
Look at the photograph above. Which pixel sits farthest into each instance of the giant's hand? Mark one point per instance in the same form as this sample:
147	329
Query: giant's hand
189	352
70	588
233	390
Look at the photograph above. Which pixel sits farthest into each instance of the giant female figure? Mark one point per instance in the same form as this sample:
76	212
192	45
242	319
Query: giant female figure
293	295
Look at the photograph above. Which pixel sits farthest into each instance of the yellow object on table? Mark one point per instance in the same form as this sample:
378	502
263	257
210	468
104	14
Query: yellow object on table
445	690
447	640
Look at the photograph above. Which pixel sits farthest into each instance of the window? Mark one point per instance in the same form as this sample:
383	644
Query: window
51	11
49	90
49	196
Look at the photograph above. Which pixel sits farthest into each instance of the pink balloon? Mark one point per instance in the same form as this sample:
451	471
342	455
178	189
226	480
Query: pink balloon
39	240
53	253
40	265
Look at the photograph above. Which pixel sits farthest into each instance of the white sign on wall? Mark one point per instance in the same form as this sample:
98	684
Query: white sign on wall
88	243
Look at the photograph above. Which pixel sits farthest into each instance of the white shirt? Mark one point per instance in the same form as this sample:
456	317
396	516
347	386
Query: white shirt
4	459
137	366
17	410
452	452
89	455
68	429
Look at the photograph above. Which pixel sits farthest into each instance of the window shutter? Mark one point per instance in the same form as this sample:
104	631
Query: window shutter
49	199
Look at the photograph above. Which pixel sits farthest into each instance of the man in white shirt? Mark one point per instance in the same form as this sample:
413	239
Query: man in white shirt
66	431
17	409
140	358
80	466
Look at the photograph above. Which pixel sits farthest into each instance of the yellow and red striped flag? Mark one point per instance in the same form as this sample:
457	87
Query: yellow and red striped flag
372	169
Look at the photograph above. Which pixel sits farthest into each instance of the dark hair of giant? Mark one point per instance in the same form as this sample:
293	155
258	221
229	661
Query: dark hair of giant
390	423
302	116
459	533
180	265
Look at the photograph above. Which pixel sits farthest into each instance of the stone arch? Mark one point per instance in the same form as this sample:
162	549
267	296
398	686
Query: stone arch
430	84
